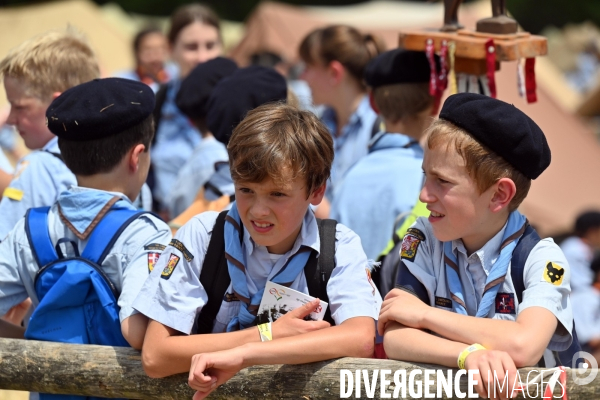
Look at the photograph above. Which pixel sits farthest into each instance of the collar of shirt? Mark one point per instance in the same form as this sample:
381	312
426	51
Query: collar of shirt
309	236
260	267
80	205
52	146
354	122
487	255
389	140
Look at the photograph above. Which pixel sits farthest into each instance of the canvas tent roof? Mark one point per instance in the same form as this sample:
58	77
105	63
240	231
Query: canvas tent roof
570	185
17	24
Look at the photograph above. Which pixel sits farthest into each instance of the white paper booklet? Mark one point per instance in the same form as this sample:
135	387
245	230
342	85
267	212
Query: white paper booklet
278	300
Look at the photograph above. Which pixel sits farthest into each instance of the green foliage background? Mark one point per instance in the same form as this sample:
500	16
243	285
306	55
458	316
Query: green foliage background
533	15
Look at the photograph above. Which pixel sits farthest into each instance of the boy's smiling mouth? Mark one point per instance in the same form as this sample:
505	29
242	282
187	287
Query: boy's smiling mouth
436	214
262	227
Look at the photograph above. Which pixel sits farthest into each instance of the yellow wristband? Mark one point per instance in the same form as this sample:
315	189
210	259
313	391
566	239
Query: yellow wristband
265	332
463	354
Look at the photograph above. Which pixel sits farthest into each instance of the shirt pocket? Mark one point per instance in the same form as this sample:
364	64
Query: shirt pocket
228	310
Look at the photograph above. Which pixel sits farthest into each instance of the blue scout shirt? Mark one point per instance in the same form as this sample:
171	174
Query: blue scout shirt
5	165
381	186
579	255
39	178
176	139
194	174
423	255
175	298
352	144
127	265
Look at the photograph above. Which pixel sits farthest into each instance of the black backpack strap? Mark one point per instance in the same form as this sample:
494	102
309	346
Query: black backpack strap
214	276
318	269
527	242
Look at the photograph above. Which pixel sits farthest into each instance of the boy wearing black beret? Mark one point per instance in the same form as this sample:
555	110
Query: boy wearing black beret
192	99
386	182
104	130
467	293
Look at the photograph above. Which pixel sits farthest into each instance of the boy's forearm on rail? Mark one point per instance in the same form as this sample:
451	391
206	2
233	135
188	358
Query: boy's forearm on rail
415	345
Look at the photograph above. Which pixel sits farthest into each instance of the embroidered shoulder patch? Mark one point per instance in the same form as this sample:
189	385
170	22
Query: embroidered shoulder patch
155	246
505	303
168	271
553	273
181	247
410	244
152	259
443	302
13	194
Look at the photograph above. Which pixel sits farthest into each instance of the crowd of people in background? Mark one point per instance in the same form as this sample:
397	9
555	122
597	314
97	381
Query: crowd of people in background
188	131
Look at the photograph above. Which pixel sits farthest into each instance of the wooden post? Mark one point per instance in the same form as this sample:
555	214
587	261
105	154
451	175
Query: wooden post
105	371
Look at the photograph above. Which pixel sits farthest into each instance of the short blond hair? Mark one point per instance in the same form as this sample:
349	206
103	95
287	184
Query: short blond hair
52	62
483	165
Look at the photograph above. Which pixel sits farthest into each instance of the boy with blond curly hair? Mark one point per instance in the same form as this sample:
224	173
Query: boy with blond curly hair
467	290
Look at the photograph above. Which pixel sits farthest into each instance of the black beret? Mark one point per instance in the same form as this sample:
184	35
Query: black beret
501	127
399	66
246	89
192	97
99	109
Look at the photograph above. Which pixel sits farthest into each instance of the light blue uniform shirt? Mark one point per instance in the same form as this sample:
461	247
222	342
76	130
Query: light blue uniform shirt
378	188
127	264
586	301
429	268
352	144
40	176
176	301
176	139
579	255
5	165
194	174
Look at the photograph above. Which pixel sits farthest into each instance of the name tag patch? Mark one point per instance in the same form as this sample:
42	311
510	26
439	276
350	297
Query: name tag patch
181	247
443	302
505	303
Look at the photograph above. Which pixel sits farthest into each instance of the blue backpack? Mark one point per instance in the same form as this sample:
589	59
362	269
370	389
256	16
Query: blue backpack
77	300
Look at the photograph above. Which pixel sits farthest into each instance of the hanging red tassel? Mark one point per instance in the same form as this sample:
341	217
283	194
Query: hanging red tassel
490	51
530	85
443	77
429	52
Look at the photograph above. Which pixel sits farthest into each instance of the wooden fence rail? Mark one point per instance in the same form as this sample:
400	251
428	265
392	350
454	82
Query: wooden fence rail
116	372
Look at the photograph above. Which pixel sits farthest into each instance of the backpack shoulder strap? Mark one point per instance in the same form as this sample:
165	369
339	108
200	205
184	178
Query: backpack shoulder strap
36	228
318	270
527	242
106	233
214	276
